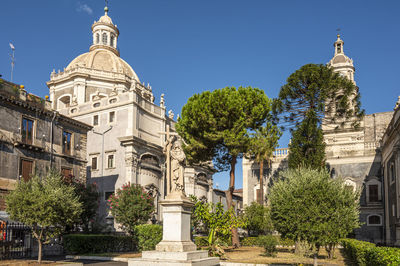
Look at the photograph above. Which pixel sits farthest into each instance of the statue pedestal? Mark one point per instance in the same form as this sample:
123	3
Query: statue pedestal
175	248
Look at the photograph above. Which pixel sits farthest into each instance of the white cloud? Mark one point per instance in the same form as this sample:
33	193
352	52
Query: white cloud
84	8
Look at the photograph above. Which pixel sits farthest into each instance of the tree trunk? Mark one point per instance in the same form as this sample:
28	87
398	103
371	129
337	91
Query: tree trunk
229	201
261	199
316	255
40	251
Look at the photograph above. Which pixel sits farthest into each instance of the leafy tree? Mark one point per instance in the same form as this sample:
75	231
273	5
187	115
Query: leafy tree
215	126
314	95
262	144
45	204
308	205
131	206
217	221
88	196
258	219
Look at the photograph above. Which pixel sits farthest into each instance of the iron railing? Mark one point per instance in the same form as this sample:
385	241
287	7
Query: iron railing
15	240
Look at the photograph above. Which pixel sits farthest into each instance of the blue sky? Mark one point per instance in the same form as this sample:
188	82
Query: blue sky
182	47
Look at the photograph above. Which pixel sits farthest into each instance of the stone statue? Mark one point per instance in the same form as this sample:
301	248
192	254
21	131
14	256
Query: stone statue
177	167
397	103
175	162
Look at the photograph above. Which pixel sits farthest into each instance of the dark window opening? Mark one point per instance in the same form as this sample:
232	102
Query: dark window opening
94	163
374	219
95	120
392	172
339	48
108	194
27	131
66	142
112	117
110	161
104	38
373	193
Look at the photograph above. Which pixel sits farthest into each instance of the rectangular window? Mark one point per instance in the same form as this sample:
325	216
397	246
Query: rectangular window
95	120
110	160
66	172
373	193
111	117
94	163
26	169
27	130
66	142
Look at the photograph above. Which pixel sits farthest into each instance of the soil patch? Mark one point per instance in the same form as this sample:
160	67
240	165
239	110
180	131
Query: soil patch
285	256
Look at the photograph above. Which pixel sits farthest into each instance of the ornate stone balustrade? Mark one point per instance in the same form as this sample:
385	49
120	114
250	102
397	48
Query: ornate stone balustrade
281	153
84	70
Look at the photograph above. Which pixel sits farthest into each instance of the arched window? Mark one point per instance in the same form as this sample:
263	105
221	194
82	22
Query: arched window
112	40
104	38
97	38
374	220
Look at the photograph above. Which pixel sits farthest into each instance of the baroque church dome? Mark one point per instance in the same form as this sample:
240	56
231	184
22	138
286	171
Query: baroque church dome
104	54
103	59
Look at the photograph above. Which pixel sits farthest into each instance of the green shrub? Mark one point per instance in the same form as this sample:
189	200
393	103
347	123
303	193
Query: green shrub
365	253
249	241
269	243
148	235
201	241
286	242
82	244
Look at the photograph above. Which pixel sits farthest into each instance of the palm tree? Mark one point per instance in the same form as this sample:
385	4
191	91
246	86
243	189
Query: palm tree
262	145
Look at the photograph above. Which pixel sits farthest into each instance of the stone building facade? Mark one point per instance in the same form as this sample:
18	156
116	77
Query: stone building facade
127	140
391	172
34	138
354	154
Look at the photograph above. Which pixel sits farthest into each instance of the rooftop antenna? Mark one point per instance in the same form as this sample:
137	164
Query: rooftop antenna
12	60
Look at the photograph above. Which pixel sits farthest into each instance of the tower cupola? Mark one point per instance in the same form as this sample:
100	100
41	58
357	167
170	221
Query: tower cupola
105	34
338	45
340	62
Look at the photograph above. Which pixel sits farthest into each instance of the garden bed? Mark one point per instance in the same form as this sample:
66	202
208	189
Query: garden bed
284	256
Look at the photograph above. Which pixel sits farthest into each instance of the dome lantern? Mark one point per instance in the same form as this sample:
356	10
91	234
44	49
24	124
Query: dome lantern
105	34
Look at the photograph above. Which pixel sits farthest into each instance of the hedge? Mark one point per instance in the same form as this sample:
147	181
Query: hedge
249	241
148	235
366	254
82	244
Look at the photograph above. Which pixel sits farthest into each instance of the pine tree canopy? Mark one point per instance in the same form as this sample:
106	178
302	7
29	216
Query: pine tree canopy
216	125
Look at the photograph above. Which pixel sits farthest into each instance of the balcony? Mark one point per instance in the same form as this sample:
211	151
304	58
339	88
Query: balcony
31	144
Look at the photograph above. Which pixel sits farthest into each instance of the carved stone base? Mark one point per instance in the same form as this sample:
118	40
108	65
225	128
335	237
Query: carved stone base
176	248
198	258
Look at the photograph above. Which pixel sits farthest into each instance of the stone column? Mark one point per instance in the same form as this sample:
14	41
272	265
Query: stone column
131	165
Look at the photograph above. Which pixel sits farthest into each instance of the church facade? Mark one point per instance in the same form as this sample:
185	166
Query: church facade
354	154
126	144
